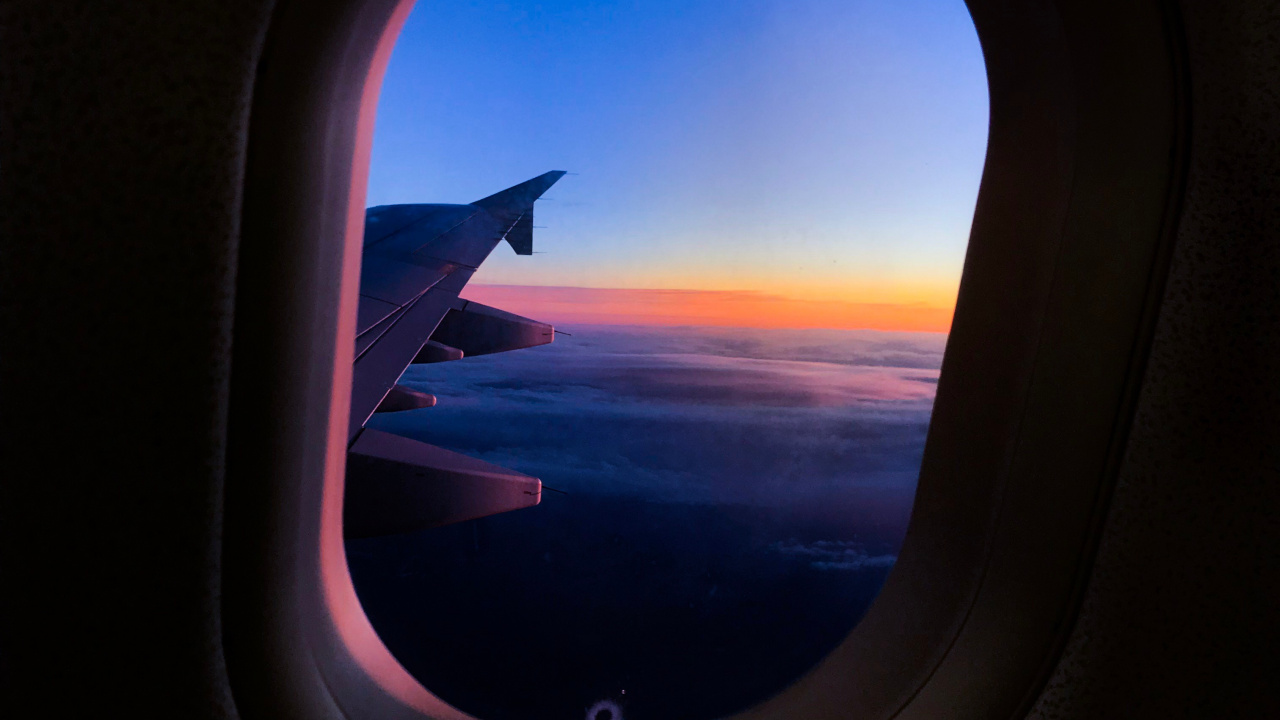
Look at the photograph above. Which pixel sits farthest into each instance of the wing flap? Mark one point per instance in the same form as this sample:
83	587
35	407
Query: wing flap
398	485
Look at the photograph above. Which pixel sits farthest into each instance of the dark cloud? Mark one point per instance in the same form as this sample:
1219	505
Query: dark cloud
736	500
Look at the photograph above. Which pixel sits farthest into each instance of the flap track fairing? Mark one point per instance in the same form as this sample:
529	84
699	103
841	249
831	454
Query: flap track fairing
477	329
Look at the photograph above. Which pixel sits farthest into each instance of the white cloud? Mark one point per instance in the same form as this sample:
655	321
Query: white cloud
835	554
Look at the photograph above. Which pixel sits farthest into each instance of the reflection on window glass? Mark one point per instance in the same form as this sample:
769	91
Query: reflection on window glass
755	265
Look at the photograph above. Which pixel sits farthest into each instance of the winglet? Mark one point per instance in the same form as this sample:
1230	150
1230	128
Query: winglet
514	208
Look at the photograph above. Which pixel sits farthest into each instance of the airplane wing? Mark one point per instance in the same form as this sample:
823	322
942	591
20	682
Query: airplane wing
416	260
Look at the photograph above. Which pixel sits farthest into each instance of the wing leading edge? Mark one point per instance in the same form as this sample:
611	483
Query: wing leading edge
416	260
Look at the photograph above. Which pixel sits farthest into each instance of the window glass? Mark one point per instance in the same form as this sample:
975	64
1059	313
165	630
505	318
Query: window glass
755	266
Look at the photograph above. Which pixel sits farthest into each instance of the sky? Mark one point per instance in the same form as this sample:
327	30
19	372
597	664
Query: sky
811	163
756	262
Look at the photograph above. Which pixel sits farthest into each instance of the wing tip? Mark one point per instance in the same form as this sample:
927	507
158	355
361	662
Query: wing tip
521	195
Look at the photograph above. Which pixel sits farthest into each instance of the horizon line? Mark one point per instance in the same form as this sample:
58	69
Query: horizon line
675	307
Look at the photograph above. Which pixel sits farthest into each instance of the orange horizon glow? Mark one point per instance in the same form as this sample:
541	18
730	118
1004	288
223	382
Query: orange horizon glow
723	308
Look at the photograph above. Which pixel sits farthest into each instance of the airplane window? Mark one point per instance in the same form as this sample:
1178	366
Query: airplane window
653	452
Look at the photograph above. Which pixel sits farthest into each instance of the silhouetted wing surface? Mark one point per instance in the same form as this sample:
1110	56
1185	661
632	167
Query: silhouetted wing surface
416	260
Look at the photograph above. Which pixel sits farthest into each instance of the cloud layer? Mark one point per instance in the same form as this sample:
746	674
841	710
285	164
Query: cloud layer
736	500
835	554
693	415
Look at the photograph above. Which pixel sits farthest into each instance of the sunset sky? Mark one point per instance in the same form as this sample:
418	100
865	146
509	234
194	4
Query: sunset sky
756	263
802	164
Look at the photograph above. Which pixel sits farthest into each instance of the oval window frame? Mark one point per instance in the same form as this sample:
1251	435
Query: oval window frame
1061	284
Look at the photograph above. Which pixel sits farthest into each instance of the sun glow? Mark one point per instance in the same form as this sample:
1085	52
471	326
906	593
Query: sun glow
727	308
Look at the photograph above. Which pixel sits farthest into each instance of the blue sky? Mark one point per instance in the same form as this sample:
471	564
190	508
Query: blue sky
816	148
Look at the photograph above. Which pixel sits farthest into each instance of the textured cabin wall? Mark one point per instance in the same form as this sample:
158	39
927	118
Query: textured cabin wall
122	145
1179	618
